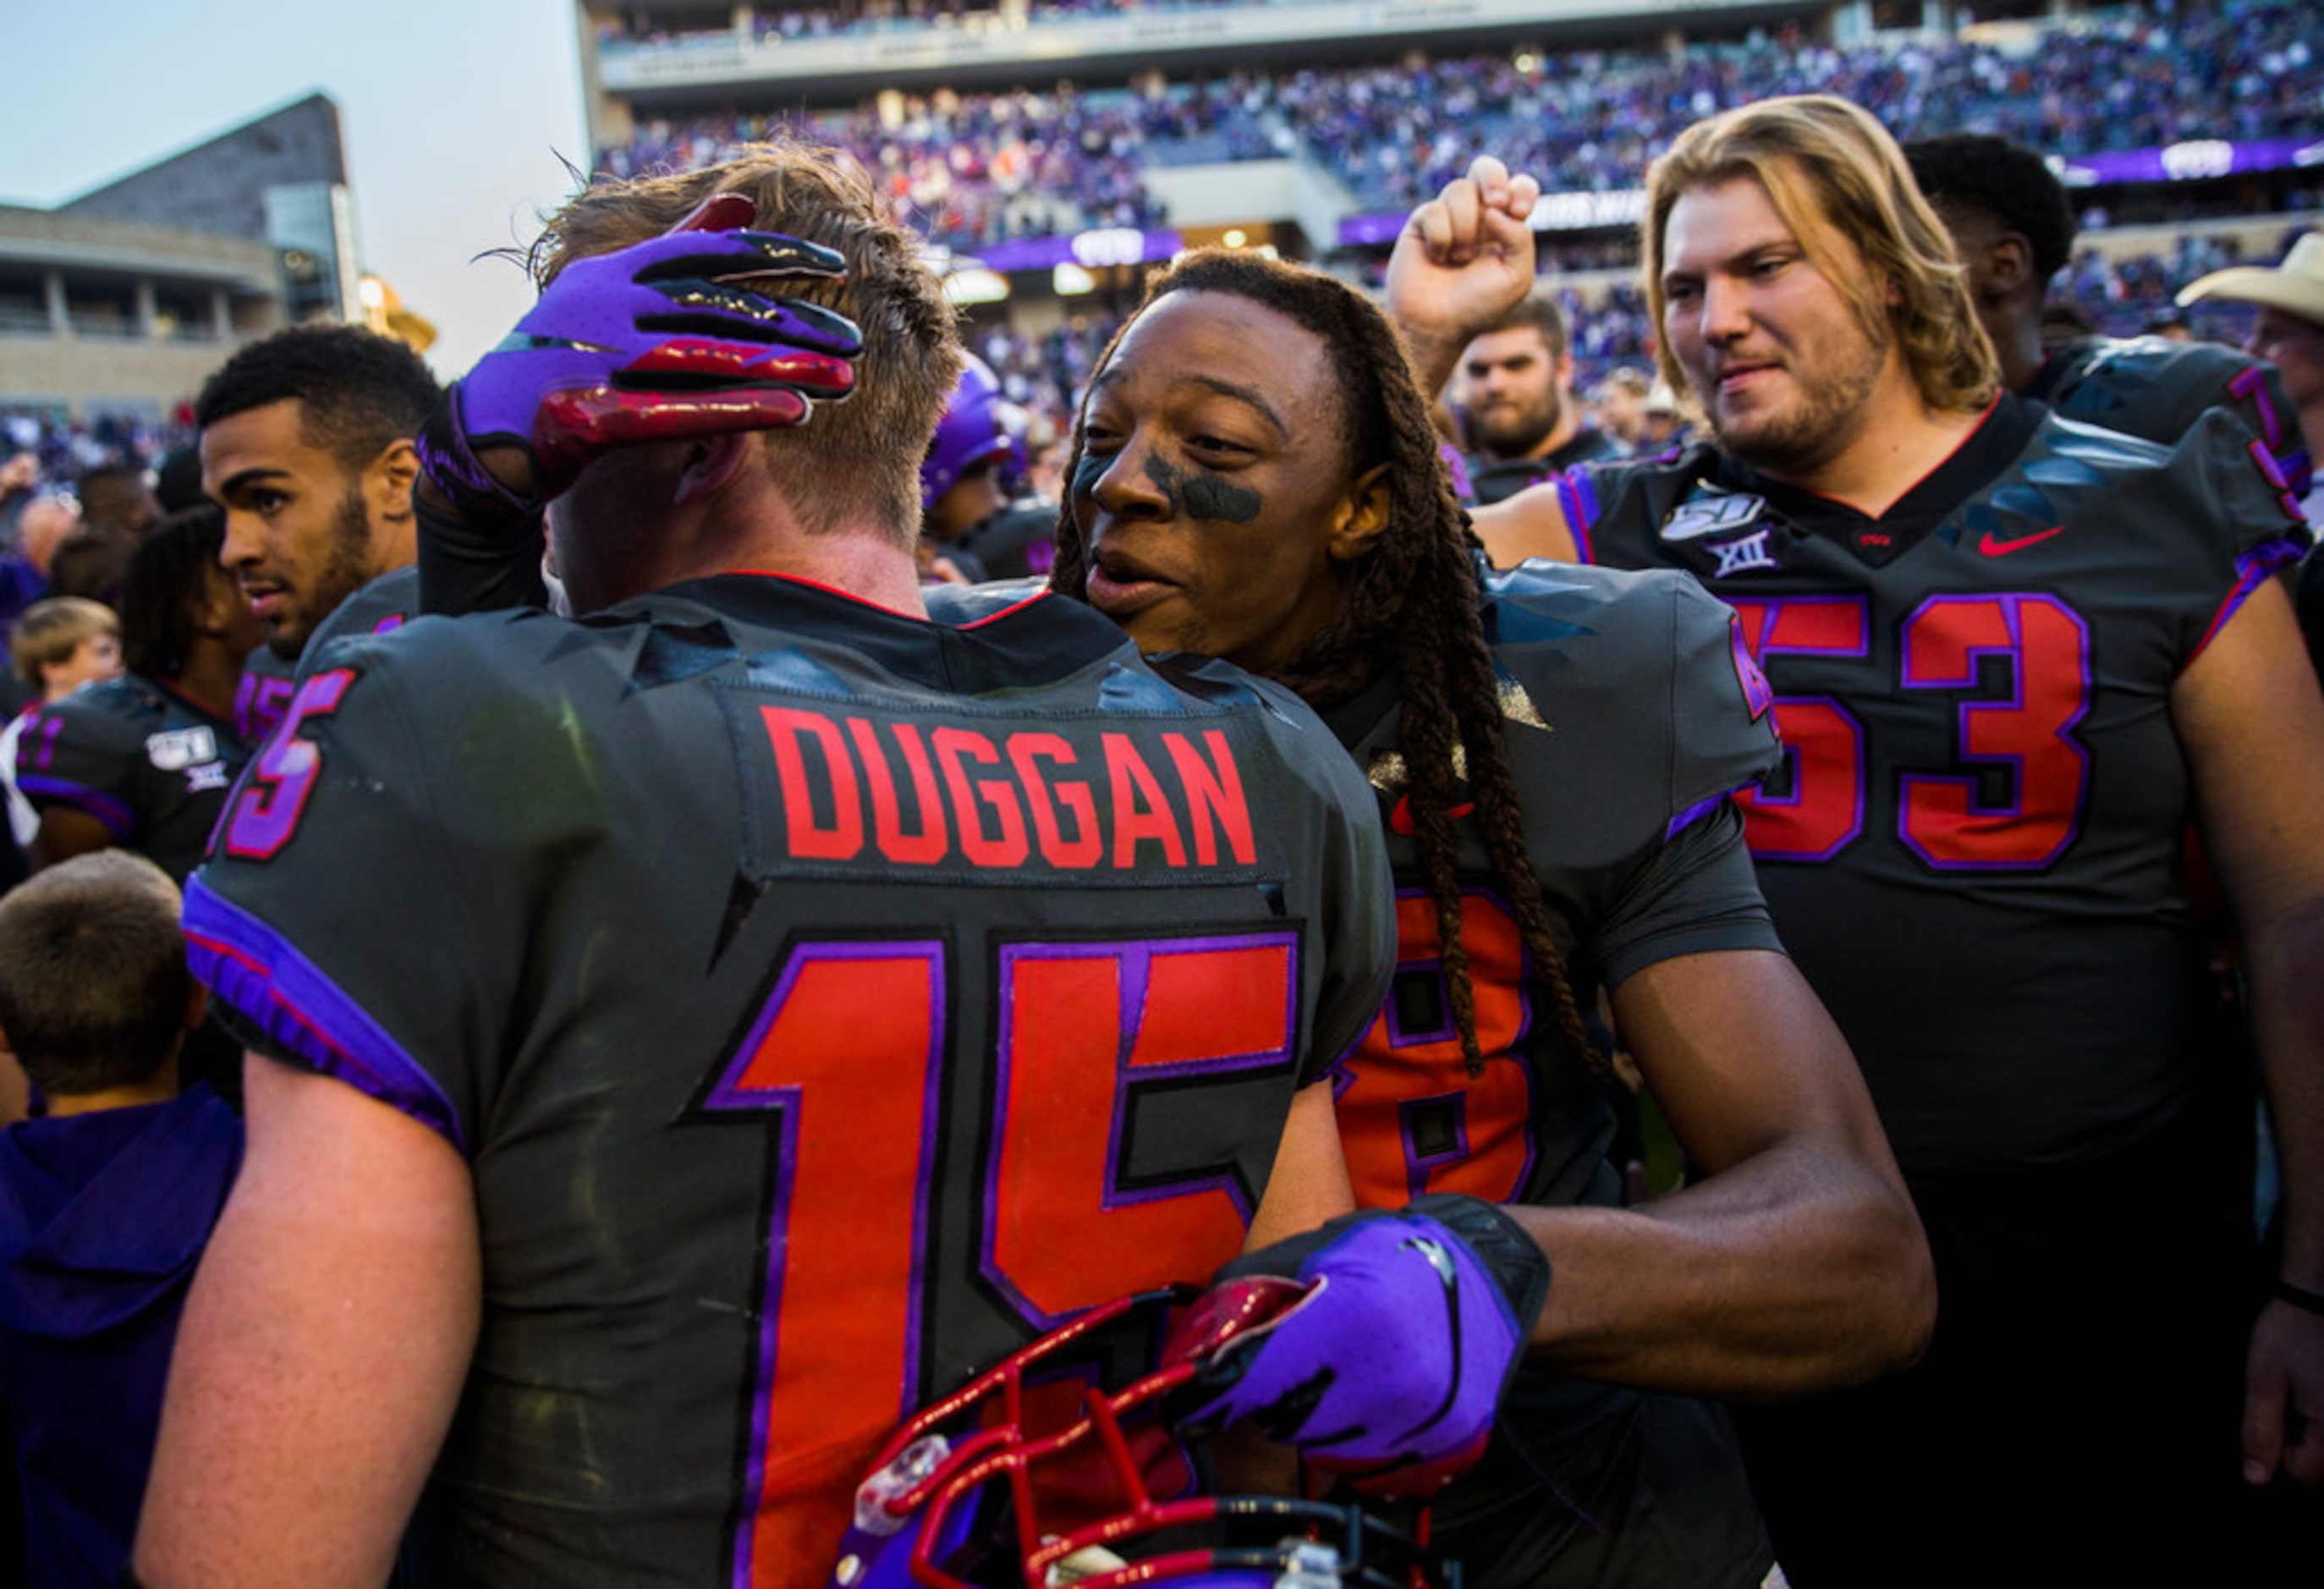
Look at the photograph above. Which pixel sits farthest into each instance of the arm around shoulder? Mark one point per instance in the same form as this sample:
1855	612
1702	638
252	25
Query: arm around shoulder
1797	1263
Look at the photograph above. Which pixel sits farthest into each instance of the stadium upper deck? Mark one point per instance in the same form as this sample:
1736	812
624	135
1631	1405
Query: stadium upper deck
2193	95
671	57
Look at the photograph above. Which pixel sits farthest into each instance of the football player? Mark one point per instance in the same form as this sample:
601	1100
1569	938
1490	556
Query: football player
689	1036
2014	228
1255	477
306	442
142	761
1518	408
2012	656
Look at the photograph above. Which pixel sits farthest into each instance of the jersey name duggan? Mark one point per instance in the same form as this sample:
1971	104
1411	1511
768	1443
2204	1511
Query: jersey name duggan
996	800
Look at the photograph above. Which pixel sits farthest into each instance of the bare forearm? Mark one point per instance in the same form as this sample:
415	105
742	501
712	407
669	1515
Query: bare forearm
2288	1018
1796	1269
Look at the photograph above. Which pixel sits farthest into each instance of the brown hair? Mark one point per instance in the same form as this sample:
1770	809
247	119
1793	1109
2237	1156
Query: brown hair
1822	160
93	988
1416	597
1539	310
862	455
51	631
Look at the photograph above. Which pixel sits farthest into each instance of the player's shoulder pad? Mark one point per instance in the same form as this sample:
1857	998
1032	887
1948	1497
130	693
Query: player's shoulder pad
1613	499
2177	364
1604	621
1630	648
960	605
113	711
378	606
2154	387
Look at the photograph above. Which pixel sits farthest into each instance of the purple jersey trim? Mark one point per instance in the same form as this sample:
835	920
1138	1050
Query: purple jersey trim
254	971
2253	569
1578	498
118	819
1694	814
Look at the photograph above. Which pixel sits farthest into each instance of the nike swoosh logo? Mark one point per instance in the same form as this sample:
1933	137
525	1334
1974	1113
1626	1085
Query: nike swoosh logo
1401	821
2002	548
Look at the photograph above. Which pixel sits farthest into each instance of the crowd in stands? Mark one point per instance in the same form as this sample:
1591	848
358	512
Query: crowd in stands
973	170
867	16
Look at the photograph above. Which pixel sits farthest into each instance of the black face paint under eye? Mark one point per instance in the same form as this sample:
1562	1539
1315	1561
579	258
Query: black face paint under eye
1205	497
1087	473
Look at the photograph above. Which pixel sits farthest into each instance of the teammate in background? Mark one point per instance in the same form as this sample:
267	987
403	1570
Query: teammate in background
104	1202
58	645
2013	227
2289	333
1256	477
1521	418
969	516
2013	657
143	761
723	1009
306	442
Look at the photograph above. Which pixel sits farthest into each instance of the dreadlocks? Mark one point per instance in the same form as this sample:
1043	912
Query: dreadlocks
1415	598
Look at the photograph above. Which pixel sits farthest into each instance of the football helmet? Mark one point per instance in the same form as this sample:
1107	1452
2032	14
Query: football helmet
973	429
1037	1475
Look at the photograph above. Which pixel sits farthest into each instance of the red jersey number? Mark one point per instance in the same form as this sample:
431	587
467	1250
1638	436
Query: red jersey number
2026	732
849	1051
1412	1119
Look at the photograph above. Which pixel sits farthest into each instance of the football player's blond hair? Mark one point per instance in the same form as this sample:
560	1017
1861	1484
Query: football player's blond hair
858	461
1824	164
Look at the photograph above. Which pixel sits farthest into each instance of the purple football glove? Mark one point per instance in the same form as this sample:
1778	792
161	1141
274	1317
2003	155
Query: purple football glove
655	342
1396	1333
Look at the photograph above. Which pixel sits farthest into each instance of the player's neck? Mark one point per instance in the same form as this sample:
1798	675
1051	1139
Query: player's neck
1900	441
865	563
211	677
2019	342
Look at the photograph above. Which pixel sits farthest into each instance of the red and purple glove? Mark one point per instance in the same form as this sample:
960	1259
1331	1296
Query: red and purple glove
1377	1346
655	342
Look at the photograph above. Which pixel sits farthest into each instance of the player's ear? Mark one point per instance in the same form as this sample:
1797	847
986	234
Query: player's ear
389	479
198	1003
1361	518
2008	264
711	462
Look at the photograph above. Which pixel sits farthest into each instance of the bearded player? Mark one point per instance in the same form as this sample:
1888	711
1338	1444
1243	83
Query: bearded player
307	443
769	1006
2012	657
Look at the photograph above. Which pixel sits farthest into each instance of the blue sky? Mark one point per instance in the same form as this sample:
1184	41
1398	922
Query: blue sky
455	113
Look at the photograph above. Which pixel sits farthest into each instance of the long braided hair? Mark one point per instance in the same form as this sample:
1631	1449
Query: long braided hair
1415	598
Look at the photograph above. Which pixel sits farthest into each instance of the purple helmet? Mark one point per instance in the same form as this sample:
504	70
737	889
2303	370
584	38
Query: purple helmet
970	432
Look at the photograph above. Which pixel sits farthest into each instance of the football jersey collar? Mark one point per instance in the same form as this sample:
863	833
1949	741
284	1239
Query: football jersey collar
1982	454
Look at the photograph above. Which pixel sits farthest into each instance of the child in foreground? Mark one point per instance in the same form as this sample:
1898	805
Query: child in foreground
106	1202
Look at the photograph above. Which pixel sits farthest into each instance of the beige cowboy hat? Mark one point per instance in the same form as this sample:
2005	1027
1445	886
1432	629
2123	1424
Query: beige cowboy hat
2296	286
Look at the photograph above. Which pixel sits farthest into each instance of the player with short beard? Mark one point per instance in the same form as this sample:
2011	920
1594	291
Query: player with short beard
307	443
2014	656
1521	416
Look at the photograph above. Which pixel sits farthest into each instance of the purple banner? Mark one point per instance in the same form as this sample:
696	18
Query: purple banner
1093	250
2189	162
